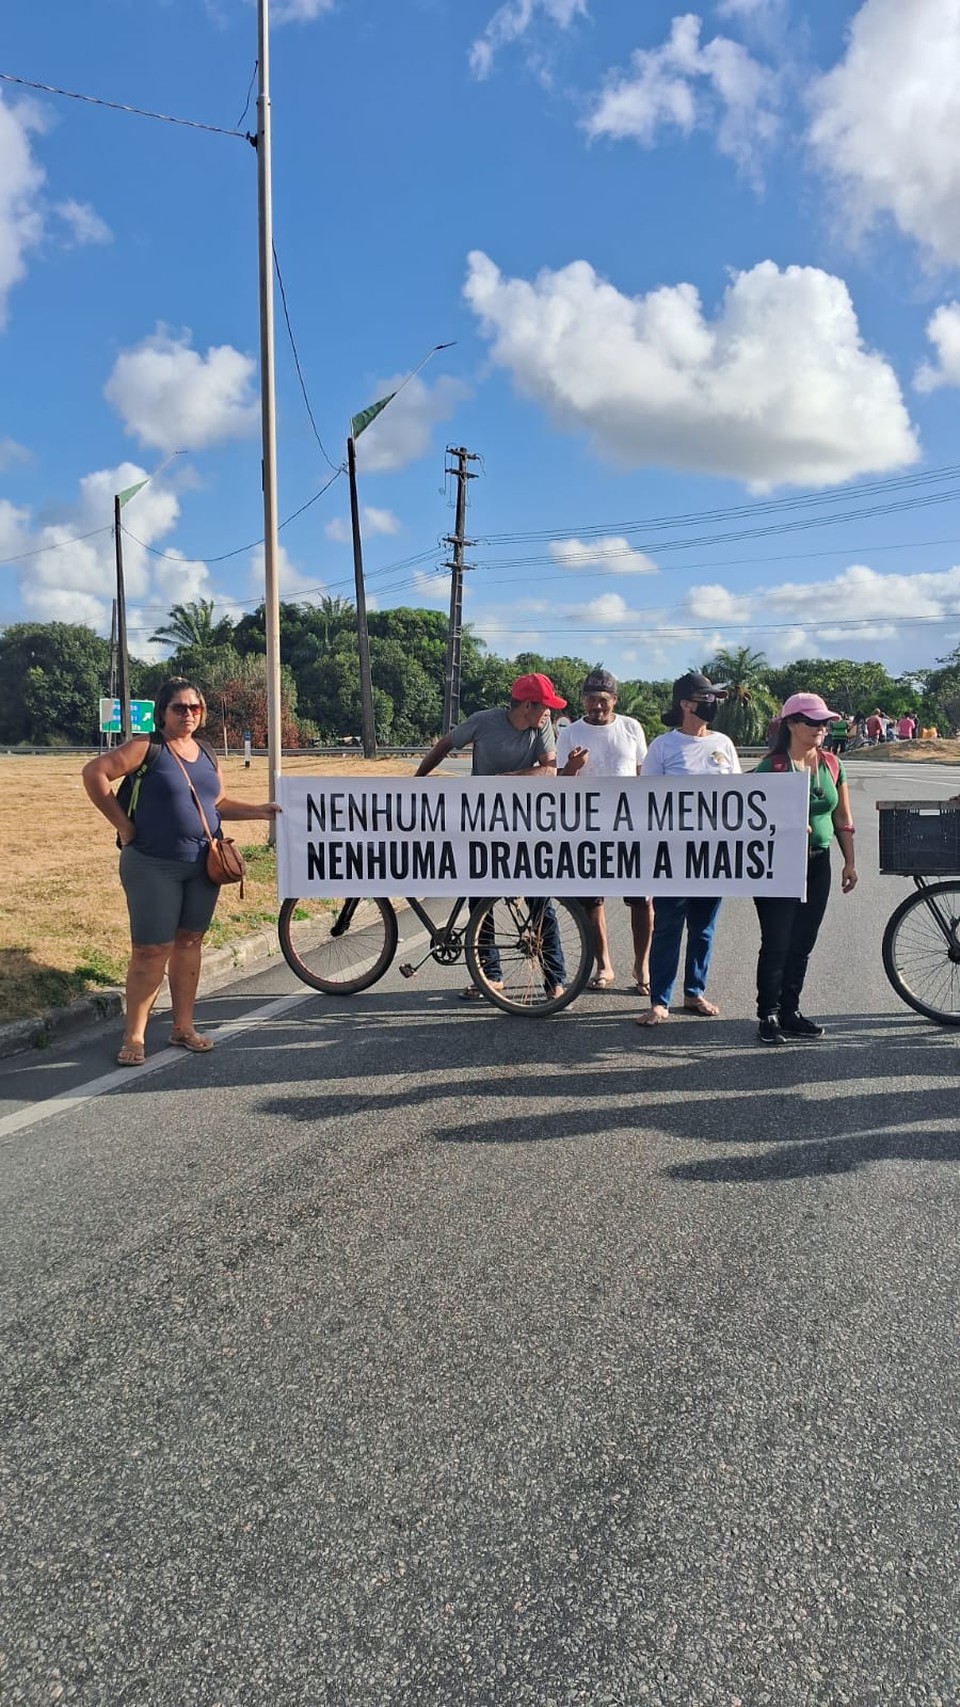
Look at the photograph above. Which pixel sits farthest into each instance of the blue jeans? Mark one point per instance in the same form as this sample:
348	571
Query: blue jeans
670	914
543	917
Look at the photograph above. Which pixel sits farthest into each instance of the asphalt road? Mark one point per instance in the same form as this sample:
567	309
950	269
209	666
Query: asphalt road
403	1352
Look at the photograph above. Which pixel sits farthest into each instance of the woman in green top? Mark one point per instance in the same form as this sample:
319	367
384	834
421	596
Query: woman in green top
788	928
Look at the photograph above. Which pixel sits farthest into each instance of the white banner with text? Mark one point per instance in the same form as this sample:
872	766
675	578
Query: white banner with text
434	836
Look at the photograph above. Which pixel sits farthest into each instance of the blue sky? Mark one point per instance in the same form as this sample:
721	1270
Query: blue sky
700	267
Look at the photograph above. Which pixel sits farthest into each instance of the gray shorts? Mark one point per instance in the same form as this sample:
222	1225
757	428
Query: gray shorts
165	895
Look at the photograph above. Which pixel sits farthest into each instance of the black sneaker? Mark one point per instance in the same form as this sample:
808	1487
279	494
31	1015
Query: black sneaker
798	1026
768	1031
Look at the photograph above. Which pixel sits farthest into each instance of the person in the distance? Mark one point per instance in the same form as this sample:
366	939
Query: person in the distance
689	748
603	742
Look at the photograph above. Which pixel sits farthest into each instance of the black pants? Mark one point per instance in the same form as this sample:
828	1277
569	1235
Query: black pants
788	931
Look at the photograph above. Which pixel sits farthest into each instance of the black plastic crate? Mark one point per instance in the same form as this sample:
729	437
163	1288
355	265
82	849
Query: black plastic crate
919	838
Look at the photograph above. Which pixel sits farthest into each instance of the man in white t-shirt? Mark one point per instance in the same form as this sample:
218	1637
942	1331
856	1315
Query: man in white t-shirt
604	743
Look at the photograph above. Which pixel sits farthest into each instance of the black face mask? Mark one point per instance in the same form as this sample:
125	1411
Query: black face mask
707	709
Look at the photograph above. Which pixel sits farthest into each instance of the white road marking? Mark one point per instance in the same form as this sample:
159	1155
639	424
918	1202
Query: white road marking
66	1100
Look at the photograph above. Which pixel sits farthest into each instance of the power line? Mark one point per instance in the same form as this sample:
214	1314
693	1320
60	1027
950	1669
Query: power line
246	104
178	557
296	359
772	506
56	545
121	107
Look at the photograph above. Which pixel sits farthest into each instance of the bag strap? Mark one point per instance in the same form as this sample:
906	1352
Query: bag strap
196	797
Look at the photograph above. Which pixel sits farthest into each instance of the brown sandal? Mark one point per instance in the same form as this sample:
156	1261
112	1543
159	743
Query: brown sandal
191	1040
131	1055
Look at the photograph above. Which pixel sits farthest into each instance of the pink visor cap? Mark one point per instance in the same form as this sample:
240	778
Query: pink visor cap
809	705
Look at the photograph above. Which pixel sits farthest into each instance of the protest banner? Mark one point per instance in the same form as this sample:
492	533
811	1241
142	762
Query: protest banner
435	836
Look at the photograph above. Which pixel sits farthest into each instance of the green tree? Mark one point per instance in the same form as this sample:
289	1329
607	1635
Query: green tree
236	695
52	675
749	706
646	701
191	628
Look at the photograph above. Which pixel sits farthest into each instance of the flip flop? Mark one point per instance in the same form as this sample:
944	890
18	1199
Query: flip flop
701	1008
653	1016
131	1055
191	1040
641	989
472	994
601	982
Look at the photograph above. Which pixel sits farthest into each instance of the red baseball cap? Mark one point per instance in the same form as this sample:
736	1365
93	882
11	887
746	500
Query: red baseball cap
539	690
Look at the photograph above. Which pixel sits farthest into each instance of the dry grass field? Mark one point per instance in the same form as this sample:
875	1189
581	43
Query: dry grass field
63	919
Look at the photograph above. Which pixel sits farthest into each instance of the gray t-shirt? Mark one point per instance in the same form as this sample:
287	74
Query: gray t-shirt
498	748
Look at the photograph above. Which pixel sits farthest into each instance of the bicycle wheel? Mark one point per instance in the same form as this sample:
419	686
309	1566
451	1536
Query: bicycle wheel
339	953
519	951
921	952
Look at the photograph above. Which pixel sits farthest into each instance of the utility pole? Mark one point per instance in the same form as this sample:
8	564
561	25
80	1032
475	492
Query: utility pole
271	549
123	660
451	683
368	728
112	690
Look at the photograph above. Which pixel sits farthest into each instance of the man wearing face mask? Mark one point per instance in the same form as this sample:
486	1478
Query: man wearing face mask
689	748
605	743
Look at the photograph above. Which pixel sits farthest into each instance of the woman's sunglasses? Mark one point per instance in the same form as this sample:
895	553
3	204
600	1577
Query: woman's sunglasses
815	722
184	710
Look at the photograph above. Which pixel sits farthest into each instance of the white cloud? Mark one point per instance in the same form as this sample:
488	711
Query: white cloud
404	431
372	522
809	618
84	222
683	84
750	9
379	521
778	389
613	554
513	20
298	11
71	578
609	609
943	330
21	182
294	585
886	120
170	396
432	587
11	453
713	603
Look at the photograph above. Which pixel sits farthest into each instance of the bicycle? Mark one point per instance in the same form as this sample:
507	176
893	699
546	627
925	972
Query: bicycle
921	942
509	947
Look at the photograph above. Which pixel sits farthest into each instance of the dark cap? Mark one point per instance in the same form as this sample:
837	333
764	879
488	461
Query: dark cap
694	685
600	681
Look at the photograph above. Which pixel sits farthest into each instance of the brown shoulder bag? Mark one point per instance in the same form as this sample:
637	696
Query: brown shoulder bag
224	859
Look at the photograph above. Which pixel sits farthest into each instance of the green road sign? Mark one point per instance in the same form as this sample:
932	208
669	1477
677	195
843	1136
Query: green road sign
141	717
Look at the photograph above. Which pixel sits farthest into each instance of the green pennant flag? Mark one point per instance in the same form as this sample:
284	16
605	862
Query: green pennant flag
358	423
130	492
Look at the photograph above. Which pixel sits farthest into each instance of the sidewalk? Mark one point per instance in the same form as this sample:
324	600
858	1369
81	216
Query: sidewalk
220	966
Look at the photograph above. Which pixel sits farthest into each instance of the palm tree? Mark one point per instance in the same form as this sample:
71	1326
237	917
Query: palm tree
749	706
191	628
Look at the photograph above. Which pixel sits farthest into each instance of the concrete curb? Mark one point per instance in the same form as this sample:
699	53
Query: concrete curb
220	966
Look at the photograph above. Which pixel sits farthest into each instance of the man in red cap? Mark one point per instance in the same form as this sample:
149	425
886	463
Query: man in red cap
512	740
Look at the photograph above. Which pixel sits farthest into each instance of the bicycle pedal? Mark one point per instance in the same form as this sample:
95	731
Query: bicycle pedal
406	970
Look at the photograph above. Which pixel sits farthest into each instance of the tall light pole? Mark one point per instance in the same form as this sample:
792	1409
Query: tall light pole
271	548
358	425
123	656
